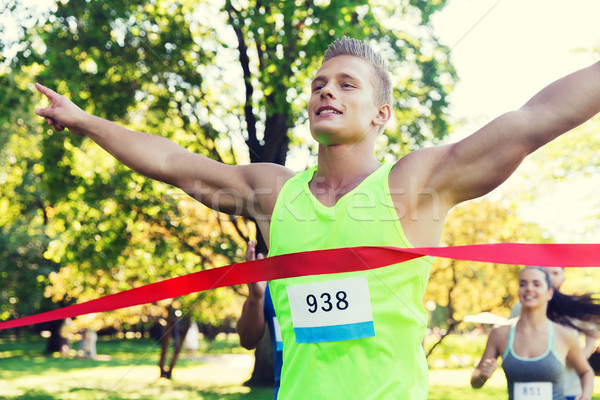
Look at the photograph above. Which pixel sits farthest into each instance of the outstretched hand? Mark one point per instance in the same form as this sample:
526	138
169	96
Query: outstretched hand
61	113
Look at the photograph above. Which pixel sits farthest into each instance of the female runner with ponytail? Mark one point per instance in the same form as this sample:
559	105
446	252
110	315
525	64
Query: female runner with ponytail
536	346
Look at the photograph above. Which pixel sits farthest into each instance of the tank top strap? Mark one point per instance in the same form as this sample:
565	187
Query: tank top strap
551	342
511	338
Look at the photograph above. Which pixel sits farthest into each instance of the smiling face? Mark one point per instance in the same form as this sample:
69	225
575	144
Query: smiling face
533	288
342	107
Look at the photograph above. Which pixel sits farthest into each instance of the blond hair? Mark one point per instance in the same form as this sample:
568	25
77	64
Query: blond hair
352	47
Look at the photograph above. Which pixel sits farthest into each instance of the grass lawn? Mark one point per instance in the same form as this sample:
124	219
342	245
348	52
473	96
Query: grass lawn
126	369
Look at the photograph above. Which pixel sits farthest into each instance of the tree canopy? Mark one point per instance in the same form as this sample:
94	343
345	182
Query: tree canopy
465	287
226	80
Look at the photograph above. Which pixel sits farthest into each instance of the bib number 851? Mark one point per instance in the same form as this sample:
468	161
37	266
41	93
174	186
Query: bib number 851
532	390
326	302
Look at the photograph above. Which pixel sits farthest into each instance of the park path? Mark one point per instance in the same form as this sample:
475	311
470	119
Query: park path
243	361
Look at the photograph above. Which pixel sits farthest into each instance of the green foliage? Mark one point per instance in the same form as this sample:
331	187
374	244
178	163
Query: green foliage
224	80
565	172
281	44
467	287
23	206
575	153
458	350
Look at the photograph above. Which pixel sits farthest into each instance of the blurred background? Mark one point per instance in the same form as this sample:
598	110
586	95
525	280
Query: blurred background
229	79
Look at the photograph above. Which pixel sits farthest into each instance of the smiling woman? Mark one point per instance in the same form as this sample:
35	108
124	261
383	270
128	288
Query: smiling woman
536	349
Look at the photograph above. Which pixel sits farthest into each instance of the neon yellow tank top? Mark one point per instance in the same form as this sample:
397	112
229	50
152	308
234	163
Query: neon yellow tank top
354	335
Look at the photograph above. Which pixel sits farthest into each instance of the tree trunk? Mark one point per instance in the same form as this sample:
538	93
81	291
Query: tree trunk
173	326
448	332
165	339
56	341
178	346
452	322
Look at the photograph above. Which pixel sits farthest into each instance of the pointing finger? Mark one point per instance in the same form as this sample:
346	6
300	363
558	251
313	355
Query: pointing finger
46	91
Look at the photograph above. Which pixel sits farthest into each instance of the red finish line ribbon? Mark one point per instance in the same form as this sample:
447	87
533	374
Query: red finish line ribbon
323	262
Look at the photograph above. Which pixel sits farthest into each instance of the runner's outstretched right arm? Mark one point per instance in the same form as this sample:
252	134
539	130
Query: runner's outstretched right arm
228	188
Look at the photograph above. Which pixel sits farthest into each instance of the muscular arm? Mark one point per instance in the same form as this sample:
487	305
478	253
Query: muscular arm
247	190
479	163
251	324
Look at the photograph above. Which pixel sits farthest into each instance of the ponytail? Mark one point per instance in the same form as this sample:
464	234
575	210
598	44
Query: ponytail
580	312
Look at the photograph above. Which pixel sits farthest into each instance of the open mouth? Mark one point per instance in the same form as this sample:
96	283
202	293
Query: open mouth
327	111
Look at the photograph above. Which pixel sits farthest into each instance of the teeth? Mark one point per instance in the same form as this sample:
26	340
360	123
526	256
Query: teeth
329	112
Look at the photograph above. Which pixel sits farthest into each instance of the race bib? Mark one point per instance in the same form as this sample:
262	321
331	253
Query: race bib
331	311
533	390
